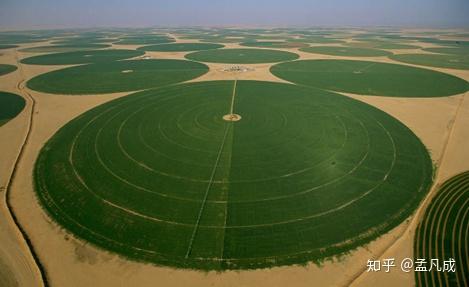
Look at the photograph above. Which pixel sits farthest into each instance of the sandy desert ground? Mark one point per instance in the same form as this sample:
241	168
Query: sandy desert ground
441	123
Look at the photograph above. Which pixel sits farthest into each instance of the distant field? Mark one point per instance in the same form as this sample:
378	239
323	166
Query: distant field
160	176
274	44
82	57
3	46
64	48
451	61
181	47
242	56
346	51
443	233
119	76
370	78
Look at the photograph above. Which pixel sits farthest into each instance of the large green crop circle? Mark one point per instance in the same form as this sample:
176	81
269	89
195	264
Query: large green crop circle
242	56
160	176
119	76
82	57
181	47
370	78
346	51
457	60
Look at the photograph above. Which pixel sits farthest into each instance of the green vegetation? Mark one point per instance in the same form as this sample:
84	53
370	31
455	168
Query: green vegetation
181	47
242	56
456	61
82	57
159	176
6	69
318	40
274	44
346	51
119	76
370	78
64	48
10	106
19	38
144	40
85	40
5	46
443	234
377	44
463	51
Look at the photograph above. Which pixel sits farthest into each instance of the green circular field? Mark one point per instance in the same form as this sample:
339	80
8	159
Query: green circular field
443	233
463	51
82	57
6	69
119	76
370	78
10	106
242	56
64	48
144	40
318	40
382	45
346	51
274	44
440	61
5	46
160	176
181	47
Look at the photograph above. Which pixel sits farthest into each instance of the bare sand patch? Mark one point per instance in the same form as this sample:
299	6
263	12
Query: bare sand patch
232	117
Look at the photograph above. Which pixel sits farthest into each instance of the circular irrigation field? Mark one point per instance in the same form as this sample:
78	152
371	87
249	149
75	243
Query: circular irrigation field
346	51
6	46
119	76
242	56
10	106
181	47
64	48
451	61
82	57
274	44
443	233
370	78
294	174
6	69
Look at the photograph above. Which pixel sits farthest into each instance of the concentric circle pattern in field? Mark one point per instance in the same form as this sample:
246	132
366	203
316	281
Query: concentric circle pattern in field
160	176
443	233
242	56
82	57
181	47
370	78
119	76
346	51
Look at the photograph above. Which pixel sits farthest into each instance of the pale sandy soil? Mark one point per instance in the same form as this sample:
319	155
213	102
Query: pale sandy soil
72	262
16	262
